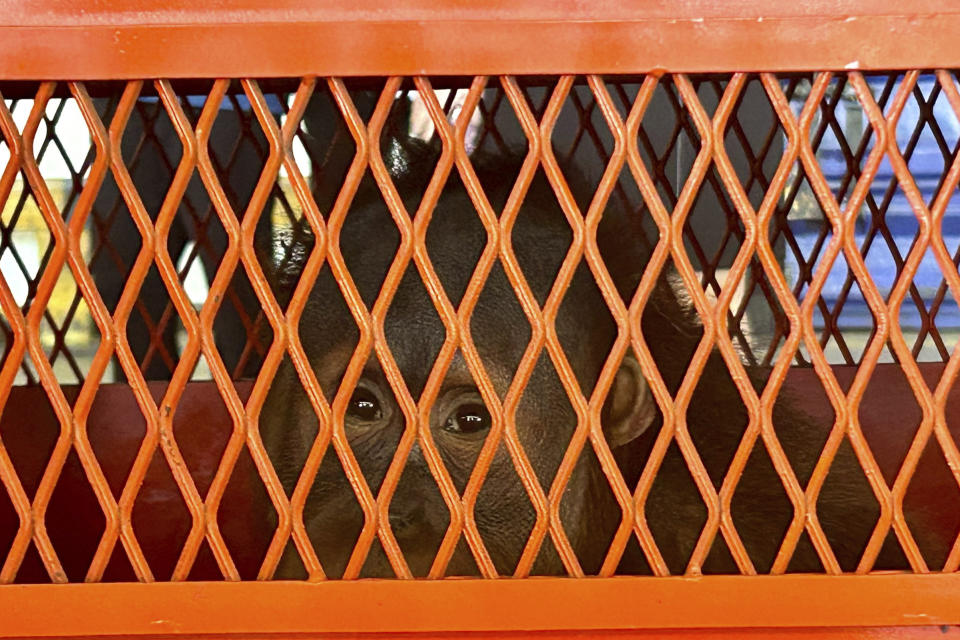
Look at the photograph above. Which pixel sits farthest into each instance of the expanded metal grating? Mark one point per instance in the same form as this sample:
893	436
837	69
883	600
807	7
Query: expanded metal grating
808	219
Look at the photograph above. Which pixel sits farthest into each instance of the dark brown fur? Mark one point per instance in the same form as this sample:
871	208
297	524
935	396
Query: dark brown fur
545	419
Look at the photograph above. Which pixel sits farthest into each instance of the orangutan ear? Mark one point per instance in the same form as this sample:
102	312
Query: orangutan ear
630	408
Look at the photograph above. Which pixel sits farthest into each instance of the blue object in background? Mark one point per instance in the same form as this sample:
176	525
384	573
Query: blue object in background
927	164
273	102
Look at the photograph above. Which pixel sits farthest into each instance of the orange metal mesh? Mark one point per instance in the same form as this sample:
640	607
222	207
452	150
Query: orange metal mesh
755	229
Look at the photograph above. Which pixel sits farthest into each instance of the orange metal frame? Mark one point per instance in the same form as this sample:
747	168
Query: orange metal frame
489	606
47	39
52	39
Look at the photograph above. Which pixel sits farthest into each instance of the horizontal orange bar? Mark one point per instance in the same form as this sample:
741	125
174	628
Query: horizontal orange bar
831	633
157	12
545	604
116	48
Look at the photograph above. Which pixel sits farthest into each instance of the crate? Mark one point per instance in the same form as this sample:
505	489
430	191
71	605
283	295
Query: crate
795	166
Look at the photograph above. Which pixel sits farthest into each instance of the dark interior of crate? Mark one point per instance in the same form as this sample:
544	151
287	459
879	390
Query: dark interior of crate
668	141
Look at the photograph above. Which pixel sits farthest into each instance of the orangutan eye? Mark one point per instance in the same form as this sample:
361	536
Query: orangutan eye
470	417
364	406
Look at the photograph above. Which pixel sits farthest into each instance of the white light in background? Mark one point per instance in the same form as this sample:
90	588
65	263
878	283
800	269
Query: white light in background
71	131
75	137
29	251
421	126
300	155
195	282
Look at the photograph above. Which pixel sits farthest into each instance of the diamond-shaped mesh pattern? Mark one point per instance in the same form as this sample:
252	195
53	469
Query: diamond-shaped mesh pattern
172	255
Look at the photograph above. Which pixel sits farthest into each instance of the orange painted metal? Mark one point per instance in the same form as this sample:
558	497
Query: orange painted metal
51	39
534	604
202	424
846	633
47	40
840	634
432	606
